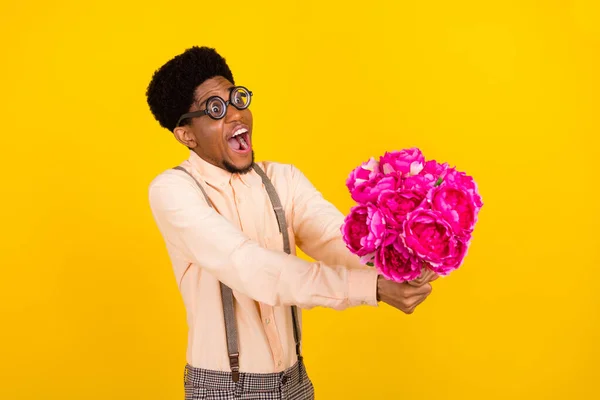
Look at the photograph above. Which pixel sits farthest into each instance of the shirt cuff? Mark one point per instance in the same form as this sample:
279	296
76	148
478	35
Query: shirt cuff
362	287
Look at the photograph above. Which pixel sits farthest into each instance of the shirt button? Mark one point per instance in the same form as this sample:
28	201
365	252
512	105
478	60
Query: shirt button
267	321
279	363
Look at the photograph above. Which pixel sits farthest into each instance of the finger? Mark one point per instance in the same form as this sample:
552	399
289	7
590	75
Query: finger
426	276
417	302
431	275
418	299
416	282
418	290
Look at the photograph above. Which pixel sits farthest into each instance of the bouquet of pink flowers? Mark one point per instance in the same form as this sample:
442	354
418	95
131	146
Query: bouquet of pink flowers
411	214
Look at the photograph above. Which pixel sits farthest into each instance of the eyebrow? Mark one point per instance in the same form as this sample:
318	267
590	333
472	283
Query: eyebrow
202	99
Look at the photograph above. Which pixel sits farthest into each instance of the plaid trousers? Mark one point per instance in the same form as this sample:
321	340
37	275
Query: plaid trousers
291	384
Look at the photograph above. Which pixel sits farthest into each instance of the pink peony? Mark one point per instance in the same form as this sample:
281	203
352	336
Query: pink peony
421	184
395	262
434	168
368	192
404	162
429	236
363	231
395	204
431	174
365	172
457	206
451	263
462	180
355	228
377	228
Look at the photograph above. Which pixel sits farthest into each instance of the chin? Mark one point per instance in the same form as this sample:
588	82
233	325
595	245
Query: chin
242	167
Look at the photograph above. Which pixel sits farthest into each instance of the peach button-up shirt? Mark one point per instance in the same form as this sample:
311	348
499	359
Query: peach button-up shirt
238	243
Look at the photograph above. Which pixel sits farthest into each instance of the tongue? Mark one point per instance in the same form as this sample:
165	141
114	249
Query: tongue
234	143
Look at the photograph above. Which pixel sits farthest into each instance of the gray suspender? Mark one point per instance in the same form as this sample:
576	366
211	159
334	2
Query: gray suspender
226	292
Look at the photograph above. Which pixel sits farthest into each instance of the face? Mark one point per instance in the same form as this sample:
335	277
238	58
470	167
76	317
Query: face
225	143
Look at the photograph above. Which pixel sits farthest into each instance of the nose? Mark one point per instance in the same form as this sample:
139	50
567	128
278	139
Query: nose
233	114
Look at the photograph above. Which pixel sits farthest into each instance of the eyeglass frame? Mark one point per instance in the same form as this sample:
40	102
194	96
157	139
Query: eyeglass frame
201	113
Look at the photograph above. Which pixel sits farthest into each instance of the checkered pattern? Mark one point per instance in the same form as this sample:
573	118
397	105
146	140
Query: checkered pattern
292	384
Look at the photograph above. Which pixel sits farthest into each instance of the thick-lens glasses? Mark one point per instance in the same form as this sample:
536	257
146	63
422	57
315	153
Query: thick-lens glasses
216	107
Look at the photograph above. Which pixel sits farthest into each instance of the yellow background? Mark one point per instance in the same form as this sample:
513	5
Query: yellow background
505	90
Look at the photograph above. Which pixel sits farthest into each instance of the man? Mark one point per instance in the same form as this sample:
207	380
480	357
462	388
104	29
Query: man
231	227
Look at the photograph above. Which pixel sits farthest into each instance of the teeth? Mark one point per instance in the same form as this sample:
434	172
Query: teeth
239	132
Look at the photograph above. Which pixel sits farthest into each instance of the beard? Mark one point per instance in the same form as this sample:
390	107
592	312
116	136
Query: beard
235	170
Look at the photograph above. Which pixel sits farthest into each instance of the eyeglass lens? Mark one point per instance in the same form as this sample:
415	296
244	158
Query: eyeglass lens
240	99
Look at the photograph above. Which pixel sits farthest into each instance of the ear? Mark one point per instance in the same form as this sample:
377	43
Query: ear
185	136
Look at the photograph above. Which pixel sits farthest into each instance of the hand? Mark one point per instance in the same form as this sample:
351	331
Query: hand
403	296
427	275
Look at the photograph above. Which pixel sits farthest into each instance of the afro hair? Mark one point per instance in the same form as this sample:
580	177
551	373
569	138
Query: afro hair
171	90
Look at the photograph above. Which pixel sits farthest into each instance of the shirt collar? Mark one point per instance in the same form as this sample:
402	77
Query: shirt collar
216	176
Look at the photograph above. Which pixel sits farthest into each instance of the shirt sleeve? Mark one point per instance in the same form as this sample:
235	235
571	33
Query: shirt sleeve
317	226
210	241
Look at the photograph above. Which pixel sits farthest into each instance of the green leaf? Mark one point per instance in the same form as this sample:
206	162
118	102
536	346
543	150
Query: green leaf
370	264
439	181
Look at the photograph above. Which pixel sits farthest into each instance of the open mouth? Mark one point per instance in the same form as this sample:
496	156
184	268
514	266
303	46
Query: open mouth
240	140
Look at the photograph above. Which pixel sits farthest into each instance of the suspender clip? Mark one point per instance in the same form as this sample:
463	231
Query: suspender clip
234	362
